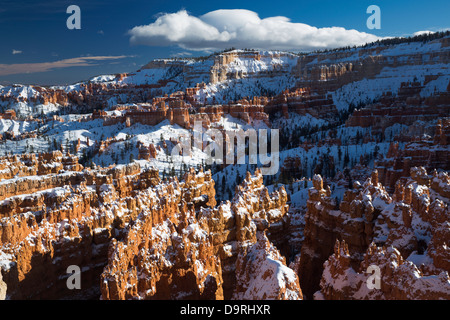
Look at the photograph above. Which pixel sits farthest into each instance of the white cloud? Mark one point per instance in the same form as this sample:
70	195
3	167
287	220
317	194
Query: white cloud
16	51
242	29
181	54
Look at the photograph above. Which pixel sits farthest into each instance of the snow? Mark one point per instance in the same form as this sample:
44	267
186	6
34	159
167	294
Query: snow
197	233
391	77
227	212
297	121
6	261
270	278
103	78
419	259
299	198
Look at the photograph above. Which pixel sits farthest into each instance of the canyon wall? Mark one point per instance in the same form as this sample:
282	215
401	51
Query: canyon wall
409	248
135	237
203	255
398	233
54	220
430	152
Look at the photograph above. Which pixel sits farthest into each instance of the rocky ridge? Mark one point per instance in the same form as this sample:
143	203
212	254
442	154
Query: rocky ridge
135	237
372	227
204	255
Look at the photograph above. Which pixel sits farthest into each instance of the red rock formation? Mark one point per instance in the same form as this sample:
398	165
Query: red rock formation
405	108
262	274
203	256
165	240
9	114
354	223
2	288
146	152
302	100
412	264
170	252
428	153
52	221
400	279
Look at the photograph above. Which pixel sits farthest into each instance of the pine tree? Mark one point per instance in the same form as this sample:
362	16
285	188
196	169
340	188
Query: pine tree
223	183
339	153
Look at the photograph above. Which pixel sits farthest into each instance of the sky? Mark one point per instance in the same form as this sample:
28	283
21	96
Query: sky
121	36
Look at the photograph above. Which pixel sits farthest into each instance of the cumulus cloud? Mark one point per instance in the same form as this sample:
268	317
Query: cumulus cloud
241	28
14	51
8	69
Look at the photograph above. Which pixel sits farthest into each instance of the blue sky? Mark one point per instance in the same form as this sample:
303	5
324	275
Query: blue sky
33	33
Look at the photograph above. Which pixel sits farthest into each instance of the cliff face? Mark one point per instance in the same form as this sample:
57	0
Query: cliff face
395	84
405	107
51	221
185	255
353	222
34	94
36	100
261	273
134	237
432	152
400	279
331	70
409	246
166	252
225	66
137	238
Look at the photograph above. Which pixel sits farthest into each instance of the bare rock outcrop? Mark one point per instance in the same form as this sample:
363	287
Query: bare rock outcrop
131	235
353	222
262	274
200	254
399	279
57	220
408	246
